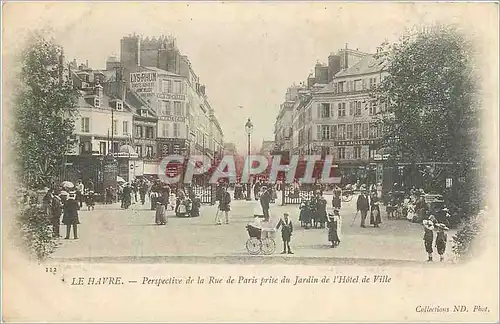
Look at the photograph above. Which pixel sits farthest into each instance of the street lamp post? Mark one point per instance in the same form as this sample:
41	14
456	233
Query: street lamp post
248	129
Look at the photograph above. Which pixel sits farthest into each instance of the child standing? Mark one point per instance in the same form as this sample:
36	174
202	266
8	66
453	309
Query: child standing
286	232
441	239
428	237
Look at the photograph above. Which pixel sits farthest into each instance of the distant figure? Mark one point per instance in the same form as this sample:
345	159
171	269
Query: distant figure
363	205
224	207
337	193
265	200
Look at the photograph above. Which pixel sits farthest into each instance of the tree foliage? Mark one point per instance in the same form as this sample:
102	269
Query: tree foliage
432	112
44	114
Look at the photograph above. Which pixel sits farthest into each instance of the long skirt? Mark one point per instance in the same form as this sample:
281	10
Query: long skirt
375	217
160	216
336	202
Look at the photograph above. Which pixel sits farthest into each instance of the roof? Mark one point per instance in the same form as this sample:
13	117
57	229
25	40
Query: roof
368	64
155	69
328	88
135	102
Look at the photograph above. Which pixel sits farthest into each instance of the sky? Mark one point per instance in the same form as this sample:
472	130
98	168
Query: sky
246	53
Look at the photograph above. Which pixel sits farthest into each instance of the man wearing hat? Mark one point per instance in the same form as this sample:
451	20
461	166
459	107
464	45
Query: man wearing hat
265	200
70	216
286	232
363	205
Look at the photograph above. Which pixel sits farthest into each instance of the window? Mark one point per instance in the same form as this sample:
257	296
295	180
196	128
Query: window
86	147
138	150
149	132
149	151
357	107
119	105
365	130
116	147
363	84
341	86
341	109
357	152
341	133
167	108
373	130
309	114
357	131
371	153
103	148
115	127
177	87
325	110
178	108
167	86
125	128
373	82
380	128
138	131
357	85
349	131
176	130
97	102
85	125
325	132
341	153
334	132
165	130
351	108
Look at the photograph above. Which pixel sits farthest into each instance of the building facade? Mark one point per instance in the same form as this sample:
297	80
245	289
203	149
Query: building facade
163	77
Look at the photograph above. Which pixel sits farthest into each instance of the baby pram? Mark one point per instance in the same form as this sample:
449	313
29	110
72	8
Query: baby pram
259	241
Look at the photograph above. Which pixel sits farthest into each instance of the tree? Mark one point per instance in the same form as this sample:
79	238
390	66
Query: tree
44	114
431	105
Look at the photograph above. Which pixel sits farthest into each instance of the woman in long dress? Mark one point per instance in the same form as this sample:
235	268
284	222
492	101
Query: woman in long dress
337	193
334	228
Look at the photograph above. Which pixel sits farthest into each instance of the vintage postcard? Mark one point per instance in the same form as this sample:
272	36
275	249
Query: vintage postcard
250	161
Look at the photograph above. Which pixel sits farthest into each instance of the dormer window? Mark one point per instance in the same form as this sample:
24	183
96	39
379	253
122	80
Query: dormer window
97	102
119	105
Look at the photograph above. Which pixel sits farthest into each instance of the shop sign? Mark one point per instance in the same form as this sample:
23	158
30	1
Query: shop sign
171	96
178	119
143	82
354	142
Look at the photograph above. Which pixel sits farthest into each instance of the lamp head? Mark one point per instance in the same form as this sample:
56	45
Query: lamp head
249	126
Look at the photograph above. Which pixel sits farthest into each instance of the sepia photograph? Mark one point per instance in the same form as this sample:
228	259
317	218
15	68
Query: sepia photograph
303	157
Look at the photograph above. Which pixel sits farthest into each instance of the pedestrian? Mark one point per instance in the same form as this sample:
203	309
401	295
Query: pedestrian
265	200
79	192
90	200
441	239
334	228
320	210
375	218
224	206
126	196
161	207
336	201
56	212
286	232
363	205
143	189
70	215
428	236
257	190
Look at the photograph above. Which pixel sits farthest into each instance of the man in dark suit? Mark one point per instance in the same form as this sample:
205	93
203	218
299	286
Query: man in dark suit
286	232
363	205
265	200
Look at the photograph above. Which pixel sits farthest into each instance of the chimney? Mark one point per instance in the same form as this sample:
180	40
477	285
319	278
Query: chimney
333	66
